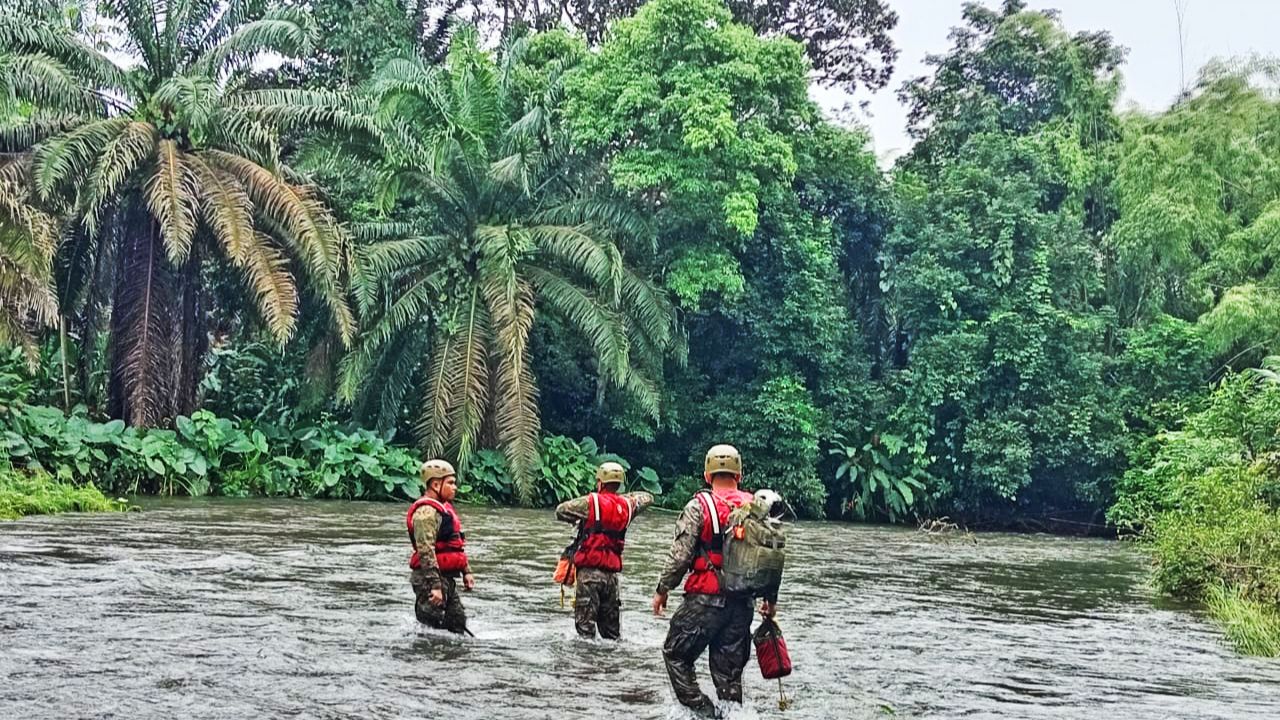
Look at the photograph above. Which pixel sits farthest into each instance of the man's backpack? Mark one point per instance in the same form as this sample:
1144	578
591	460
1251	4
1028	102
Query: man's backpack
755	550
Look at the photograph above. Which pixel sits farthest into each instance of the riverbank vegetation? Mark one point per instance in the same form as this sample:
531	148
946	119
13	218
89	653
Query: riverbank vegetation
1208	496
25	493
289	248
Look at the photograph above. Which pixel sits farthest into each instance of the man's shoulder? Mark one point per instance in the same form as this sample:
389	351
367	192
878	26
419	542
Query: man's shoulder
426	509
695	503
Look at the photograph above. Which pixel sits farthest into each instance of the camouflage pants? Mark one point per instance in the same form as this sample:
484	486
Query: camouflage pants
450	616
595	602
724	625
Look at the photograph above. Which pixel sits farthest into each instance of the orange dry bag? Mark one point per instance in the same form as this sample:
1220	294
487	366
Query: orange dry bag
566	572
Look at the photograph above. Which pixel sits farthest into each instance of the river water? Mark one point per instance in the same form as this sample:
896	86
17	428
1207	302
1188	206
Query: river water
265	609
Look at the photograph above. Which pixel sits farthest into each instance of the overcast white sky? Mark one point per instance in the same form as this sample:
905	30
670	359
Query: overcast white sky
1148	28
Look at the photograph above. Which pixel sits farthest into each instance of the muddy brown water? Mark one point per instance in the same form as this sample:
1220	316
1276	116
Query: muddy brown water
266	609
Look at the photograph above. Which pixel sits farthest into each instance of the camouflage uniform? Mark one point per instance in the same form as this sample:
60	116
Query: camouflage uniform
427	576
721	622
595	598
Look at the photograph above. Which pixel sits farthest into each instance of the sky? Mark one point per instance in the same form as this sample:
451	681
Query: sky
1148	28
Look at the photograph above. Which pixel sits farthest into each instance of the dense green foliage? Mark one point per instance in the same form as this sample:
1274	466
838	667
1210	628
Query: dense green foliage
208	455
36	493
648	235
1209	500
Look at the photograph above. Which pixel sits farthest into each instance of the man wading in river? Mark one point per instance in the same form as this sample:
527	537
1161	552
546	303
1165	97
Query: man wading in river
439	550
603	517
707	617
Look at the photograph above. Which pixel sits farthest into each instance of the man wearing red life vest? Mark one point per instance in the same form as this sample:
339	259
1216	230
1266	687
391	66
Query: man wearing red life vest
603	516
439	550
707	618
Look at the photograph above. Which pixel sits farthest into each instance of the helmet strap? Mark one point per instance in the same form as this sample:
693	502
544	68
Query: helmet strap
432	492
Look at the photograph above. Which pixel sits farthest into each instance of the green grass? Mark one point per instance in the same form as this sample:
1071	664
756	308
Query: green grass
24	493
1253	627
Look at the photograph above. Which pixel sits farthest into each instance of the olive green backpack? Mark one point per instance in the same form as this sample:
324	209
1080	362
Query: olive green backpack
755	550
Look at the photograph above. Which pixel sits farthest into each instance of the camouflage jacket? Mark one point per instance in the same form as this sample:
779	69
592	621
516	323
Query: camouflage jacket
575	510
684	548
426	525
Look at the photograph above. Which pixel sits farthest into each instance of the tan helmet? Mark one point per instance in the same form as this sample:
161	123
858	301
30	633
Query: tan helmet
434	470
722	458
611	472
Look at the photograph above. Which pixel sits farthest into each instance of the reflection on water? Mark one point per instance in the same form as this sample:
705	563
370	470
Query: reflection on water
247	609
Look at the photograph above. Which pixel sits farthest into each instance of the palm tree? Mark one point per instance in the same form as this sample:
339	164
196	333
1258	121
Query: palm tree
512	230
36	88
170	168
28	238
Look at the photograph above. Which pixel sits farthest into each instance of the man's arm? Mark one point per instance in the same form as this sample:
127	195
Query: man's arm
639	501
683	547
426	525
573	511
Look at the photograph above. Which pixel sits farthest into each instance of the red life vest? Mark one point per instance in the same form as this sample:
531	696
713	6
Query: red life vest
608	515
451	556
715	516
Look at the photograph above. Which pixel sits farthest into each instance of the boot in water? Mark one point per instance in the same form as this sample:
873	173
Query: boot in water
707	709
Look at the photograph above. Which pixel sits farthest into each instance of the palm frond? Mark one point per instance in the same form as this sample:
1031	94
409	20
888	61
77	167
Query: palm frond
456	396
237	131
267	272
294	108
408	87
603	329
472	372
526	130
283	31
376	263
579	249
647	304
142	31
207	29
644	390
68	157
172	196
618	219
516	169
225	206
439	393
307	227
193	98
27	243
120	159
22	136
19	34
396	366
44	82
19	213
409	315
510	305
396	373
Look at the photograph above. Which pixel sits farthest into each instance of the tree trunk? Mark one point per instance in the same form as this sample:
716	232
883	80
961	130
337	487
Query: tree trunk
190	337
142	327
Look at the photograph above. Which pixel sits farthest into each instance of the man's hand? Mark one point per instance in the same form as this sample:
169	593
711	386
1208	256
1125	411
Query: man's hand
768	609
468	582
437	597
659	603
